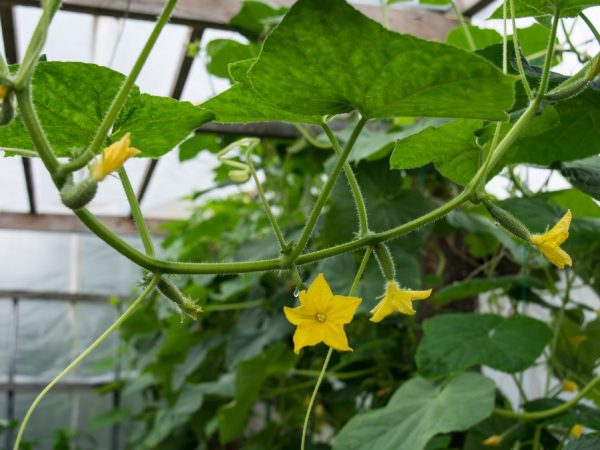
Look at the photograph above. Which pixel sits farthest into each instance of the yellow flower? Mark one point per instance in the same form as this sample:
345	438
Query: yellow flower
576	340
321	316
112	158
569	386
3	91
549	242
396	299
576	431
493	441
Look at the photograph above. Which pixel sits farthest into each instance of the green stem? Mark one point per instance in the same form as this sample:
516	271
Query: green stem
548	61
128	312
463	25
537	435
515	38
504	39
359	200
307	135
263	199
118	102
357	278
538	415
314	215
138	217
313	397
35	130
36	44
591	26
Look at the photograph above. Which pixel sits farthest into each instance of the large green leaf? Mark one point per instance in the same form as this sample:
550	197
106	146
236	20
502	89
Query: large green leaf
418	411
160	123
242	104
454	342
326	58
255	16
72	98
482	37
538	8
452	148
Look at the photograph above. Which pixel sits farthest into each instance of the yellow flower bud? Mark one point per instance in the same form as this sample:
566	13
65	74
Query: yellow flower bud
576	431
493	441
113	157
569	386
576	340
3	91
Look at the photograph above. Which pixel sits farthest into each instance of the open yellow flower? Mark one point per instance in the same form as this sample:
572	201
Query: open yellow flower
569	386
321	316
112	158
576	431
549	242
396	299
493	441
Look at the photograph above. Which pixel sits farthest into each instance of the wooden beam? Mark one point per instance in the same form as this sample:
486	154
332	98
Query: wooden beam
218	13
70	224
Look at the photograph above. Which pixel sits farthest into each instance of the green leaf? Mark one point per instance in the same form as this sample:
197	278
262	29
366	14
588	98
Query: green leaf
222	52
454	342
482	37
160	123
576	136
249	378
197	143
242	104
451	147
588	442
464	289
417	411
580	204
108	419
254	16
72	98
326	58
536	8
584	174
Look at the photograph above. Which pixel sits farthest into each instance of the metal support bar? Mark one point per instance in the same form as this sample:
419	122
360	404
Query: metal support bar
12	370
60	296
10	51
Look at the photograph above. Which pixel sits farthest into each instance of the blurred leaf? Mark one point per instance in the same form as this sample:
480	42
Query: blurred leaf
535	8
584	174
108	419
197	143
326	58
222	52
249	378
482	37
454	342
418	411
464	289
253	17
588	442
193	359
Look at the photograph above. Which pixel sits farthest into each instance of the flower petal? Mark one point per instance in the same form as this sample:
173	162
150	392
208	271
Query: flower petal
341	309
419	295
336	338
307	334
297	315
560	232
318	294
383	309
556	255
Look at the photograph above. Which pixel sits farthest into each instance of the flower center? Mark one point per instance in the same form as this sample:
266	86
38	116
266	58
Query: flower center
320	318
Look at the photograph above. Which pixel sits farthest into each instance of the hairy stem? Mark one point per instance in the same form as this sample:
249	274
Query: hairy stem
314	215
120	99
518	56
136	211
359	200
463	25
